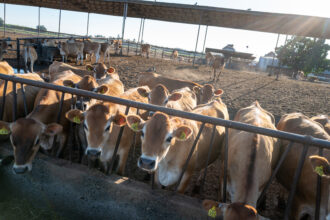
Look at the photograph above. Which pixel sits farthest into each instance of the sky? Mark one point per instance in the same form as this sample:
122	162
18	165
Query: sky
169	34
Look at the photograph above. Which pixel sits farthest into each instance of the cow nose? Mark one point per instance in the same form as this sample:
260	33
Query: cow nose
147	164
20	170
93	152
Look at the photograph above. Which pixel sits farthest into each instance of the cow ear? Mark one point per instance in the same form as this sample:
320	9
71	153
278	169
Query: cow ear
143	92
135	123
75	115
53	129
111	70
89	67
102	89
182	133
175	96
218	92
196	89
320	165
208	204
4	128
119	119
69	83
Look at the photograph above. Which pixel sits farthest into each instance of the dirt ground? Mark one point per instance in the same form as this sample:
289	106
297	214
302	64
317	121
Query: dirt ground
241	88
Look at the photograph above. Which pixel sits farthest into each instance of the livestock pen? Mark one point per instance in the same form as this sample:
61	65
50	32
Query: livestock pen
307	141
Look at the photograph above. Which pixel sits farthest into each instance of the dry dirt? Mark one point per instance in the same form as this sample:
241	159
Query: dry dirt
241	88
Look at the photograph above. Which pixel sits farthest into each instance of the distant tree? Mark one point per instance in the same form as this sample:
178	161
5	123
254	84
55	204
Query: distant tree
42	28
1	22
304	54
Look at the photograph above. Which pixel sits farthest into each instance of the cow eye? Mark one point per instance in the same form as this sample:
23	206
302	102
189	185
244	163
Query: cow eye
37	142
166	101
85	127
107	128
169	139
142	134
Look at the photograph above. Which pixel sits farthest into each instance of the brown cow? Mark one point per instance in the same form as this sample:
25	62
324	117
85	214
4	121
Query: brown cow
153	79
105	51
5	68
209	58
102	123
175	54
218	66
233	211
304	200
74	49
206	93
30	95
117	45
38	128
145	48
251	157
99	71
181	99
166	143
324	120
29	54
92	48
4	45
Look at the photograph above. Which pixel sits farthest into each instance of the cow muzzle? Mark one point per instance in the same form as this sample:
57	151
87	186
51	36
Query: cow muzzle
147	164
93	152
20	169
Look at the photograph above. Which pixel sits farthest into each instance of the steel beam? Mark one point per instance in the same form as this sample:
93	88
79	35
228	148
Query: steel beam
207	27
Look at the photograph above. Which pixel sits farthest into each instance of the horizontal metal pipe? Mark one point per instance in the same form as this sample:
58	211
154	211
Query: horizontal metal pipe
188	115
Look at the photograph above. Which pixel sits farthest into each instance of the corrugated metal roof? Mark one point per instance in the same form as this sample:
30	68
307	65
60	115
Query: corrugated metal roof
309	26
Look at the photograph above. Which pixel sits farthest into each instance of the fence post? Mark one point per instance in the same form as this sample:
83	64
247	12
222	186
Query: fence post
18	55
163	53
155	52
127	48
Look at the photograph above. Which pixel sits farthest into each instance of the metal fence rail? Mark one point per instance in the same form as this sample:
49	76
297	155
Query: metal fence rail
305	140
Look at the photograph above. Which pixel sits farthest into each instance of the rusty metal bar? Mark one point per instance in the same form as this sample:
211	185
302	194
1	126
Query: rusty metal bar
3	100
318	192
208	158
189	156
24	100
61	107
278	166
121	131
224	187
14	102
295	182
188	115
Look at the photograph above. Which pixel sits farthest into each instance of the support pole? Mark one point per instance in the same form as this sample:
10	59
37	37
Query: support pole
4	19
278	37
199	27
138	40
87	24
144	20
38	21
59	20
123	27
207	27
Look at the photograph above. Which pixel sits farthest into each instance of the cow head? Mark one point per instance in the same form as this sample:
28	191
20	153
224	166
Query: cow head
206	93
158	134
98	122
320	165
26	136
231	211
100	70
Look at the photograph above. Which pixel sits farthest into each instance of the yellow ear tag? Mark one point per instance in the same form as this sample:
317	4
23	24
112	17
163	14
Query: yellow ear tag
102	91
319	170
212	212
183	136
76	120
90	68
135	126
4	131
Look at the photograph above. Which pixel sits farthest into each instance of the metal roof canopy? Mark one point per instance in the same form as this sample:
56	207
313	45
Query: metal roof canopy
289	24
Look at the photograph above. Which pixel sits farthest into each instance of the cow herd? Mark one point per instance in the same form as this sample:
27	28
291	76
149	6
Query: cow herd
165	140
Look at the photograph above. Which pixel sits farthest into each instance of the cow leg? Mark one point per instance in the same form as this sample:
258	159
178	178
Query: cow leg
97	57
82	59
31	66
